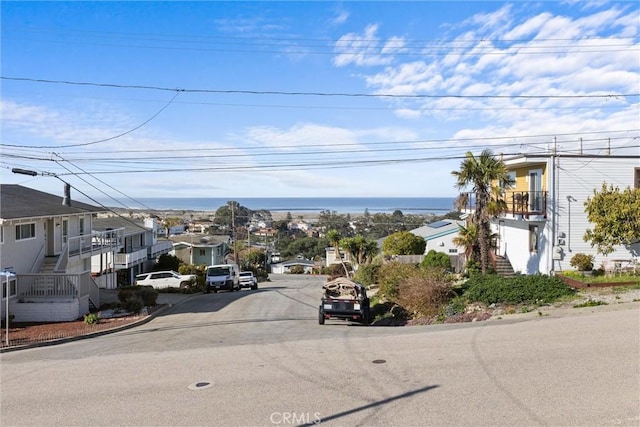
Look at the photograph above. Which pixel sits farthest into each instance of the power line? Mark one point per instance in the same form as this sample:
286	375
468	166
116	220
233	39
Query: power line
83	144
323	94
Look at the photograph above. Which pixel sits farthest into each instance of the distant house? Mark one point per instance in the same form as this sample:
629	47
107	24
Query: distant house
48	241
439	237
331	258
201	249
286	266
139	251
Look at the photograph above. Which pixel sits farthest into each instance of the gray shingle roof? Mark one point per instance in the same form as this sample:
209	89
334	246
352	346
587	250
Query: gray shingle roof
17	202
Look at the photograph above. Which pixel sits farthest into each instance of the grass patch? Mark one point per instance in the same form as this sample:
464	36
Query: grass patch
590	303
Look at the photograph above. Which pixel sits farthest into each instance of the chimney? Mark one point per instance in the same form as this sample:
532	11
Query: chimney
66	200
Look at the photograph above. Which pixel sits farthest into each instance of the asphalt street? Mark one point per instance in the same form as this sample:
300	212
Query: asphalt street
255	358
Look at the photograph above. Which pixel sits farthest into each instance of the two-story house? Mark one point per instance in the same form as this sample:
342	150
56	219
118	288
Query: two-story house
140	249
546	220
48	242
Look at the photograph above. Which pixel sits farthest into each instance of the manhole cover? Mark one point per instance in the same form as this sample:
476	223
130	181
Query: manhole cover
201	385
379	361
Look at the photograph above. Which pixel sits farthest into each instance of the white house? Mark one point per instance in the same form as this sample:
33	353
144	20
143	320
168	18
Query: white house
286	266
48	242
546	220
439	237
139	250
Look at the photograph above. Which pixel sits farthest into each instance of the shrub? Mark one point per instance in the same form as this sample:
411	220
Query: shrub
367	274
435	259
582	262
391	274
91	319
296	269
334	270
425	294
457	305
534	289
147	295
133	304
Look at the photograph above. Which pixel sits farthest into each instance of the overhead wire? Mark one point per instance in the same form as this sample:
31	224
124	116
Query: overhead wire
313	93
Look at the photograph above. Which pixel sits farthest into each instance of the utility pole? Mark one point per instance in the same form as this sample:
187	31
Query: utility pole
233	232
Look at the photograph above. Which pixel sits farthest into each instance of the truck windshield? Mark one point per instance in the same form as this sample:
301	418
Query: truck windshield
218	271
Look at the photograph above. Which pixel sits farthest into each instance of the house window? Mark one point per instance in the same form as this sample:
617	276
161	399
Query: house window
25	231
81	226
12	287
512	181
533	238
636	181
1	234
453	251
201	252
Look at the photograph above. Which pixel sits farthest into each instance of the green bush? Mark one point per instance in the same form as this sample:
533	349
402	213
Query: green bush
147	295
457	305
91	319
296	269
521	289
367	274
133	304
390	275
435	259
582	262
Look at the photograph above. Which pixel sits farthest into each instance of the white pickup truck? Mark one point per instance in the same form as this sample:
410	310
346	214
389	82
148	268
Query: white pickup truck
248	280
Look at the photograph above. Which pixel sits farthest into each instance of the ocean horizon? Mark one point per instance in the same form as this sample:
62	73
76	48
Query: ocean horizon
342	205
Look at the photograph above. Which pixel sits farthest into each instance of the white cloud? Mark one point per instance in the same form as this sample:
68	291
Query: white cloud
364	49
340	18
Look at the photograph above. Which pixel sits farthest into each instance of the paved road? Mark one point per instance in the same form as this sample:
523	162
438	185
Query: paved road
260	358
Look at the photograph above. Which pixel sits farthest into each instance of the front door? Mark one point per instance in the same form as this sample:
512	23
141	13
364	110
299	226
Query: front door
535	190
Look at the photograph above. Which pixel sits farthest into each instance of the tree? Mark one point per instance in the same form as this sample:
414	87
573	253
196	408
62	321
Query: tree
334	237
403	243
167	262
169	222
484	174
615	216
467	238
360	249
232	213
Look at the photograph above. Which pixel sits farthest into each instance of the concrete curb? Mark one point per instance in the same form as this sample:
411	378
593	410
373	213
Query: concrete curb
142	321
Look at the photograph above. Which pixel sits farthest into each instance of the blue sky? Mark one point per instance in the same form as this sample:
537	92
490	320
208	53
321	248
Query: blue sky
304	99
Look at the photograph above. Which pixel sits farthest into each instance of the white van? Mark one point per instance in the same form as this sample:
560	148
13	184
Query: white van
223	277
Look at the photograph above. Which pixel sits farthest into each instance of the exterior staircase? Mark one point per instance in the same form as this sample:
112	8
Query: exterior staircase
49	265
503	267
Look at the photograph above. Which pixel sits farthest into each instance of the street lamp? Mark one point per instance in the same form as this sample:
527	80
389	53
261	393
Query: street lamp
8	273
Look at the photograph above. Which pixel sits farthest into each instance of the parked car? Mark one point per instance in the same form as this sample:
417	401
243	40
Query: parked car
165	279
248	280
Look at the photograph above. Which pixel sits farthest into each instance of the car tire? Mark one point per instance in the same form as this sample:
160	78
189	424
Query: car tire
320	317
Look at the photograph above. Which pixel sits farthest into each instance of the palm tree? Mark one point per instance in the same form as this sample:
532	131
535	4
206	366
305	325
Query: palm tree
360	249
334	238
483	173
467	238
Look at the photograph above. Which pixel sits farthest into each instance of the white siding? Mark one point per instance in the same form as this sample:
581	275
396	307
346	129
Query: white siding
578	178
444	244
